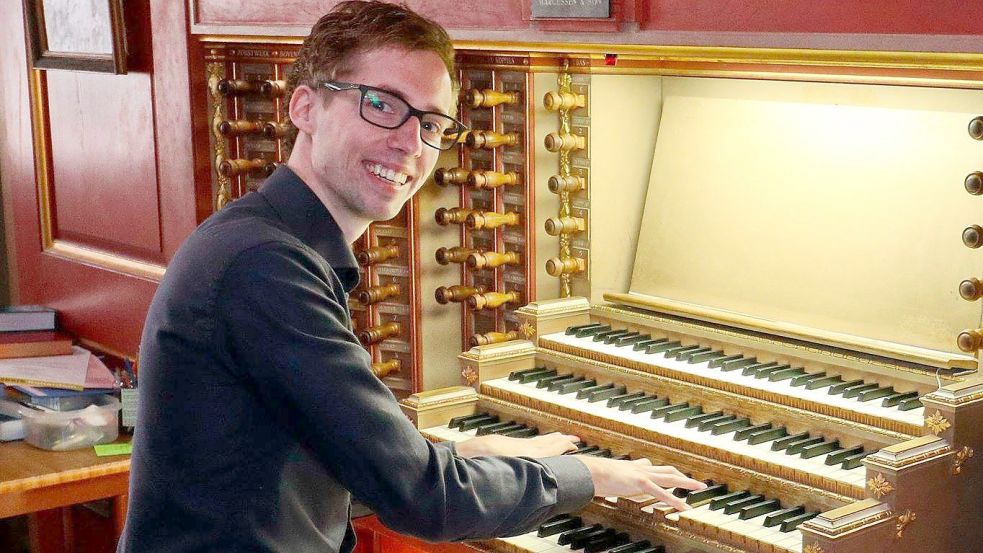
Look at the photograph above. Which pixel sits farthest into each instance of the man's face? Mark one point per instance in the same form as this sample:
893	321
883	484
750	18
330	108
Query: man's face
351	158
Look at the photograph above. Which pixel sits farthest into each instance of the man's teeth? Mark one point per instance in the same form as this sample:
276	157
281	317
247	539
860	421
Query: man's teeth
392	176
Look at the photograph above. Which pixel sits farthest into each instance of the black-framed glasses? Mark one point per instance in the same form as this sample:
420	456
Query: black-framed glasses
387	110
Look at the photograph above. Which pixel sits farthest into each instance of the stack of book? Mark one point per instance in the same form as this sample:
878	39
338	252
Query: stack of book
42	370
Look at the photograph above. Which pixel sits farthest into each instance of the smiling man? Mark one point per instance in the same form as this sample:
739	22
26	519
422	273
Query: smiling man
259	414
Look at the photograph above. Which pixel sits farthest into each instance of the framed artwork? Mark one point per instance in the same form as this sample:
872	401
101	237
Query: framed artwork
79	35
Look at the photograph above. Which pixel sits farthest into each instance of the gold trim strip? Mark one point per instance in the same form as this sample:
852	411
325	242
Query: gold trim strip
105	260
923	356
906	430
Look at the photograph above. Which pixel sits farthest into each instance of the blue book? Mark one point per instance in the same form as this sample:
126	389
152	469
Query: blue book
18	318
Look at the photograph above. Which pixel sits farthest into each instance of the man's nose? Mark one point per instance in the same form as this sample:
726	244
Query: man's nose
406	138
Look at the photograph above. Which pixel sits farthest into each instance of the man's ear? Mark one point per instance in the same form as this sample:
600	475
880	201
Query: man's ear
301	108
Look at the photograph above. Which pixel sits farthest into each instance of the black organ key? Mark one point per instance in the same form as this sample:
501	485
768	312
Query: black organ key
629	403
603	453
572	387
687	355
744	433
708	423
838	457
630	340
526	432
606	542
823	382
909	404
681	413
558	524
618	400
854	461
602	395
578	328
783	442
816	450
505	430
633	547
585	450
604	334
707	357
581	541
767	372
536	376
752	370
544	382
674	352
786	374
585	332
767	435
796	447
807	378
458	421
720	501
696	419
565	537
614	338
738	504
680	492
475	423
876	393
664	411
759	508
643	344
585	392
776	518
706	494
649	404
721	361
738	364
855	391
729	426
894	400
840	387
792	523
555	385
656	549
494	427
516	375
661	347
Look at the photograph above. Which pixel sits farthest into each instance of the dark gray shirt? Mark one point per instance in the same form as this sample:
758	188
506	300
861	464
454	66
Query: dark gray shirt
259	414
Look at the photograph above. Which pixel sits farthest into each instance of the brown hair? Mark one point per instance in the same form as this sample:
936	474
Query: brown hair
354	26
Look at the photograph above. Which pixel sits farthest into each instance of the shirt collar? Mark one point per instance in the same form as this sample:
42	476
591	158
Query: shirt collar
307	218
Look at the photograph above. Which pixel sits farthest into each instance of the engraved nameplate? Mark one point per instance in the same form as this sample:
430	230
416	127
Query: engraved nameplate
581	9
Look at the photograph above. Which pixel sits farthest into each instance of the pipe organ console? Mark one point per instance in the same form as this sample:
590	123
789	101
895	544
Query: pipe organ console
769	289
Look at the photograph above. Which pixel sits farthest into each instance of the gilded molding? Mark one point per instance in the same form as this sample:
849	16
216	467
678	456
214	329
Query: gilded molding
514	349
963	455
879	486
215	72
833	533
904	520
937	423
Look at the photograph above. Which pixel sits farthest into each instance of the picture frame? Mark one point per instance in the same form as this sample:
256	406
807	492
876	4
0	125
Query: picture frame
76	35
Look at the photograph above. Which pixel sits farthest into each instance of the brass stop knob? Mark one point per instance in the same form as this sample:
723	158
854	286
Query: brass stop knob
385	368
274	130
493	338
490	219
377	254
456	293
237	87
492	300
556	226
253	167
490	260
492	179
970	340
375	294
457	254
974	183
378	333
971	289
490	139
488	98
453	175
566	266
976	128
273	89
569	183
237	127
454	215
564	142
556	101
973	236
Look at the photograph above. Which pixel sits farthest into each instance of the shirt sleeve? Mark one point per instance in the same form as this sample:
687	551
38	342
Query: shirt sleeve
288	330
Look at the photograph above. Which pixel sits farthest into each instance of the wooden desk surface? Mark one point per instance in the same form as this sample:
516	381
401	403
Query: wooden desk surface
32	479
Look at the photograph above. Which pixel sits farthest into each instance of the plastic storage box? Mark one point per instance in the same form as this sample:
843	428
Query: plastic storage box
64	430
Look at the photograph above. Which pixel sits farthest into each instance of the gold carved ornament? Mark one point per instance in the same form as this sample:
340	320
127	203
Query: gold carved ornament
960	459
937	423
879	486
527	330
904	520
812	548
470	375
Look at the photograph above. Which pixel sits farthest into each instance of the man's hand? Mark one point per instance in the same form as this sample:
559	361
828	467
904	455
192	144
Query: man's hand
546	445
639	477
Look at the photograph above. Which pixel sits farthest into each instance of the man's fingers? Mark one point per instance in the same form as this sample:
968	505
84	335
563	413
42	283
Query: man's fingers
669	499
642	461
672	481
